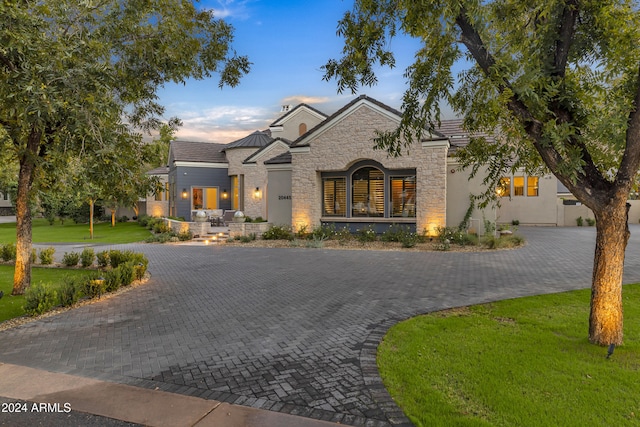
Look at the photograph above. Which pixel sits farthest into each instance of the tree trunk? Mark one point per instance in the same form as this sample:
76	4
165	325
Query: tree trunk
605	320
22	271
113	217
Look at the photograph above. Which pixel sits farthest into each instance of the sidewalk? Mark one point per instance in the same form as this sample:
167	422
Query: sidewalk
69	393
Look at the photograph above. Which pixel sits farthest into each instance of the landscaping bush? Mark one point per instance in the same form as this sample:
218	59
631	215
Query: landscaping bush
46	255
249	238
278	232
185	236
8	252
94	285
71	259
69	291
87	257
590	222
161	227
103	259
127	273
395	233
112	279
143	220
39	298
323	232
117	257
344	236
410	240
366	234
579	221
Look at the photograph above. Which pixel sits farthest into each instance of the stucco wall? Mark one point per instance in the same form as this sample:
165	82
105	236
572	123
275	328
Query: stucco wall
279	197
459	188
348	140
291	125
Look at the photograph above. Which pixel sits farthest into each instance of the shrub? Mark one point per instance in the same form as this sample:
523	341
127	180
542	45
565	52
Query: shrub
71	259
302	232
366	234
317	242
34	255
117	257
515	222
278	232
123	218
259	219
249	238
39	298
323	232
94	286
69	291
409	240
8	252
579	221
143	220
161	227
395	233
344	235
185	235
87	257
46	256
103	259
590	222
127	273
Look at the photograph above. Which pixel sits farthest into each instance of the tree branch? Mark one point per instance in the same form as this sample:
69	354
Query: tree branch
631	157
565	38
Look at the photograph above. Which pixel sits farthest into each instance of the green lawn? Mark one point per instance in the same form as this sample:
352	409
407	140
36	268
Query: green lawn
518	362
126	232
11	306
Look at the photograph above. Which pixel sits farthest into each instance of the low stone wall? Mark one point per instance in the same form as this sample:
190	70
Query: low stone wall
246	228
196	228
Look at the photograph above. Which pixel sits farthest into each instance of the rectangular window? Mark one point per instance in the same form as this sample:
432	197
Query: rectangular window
334	198
368	192
403	196
532	186
518	185
204	198
504	187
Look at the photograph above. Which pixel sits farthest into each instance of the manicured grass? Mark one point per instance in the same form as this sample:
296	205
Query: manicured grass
12	306
522	362
125	232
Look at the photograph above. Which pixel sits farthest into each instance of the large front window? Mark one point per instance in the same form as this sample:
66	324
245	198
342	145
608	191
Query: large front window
403	196
334	198
367	195
204	198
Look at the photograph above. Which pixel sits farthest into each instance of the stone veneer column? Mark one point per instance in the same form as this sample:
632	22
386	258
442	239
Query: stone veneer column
432	187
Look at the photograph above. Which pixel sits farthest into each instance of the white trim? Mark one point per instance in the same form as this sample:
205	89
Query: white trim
435	143
201	165
305	149
288	116
255	156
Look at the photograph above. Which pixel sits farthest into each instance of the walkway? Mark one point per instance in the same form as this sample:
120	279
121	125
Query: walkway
288	330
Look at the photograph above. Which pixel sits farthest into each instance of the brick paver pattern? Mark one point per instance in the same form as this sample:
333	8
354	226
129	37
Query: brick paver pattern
289	330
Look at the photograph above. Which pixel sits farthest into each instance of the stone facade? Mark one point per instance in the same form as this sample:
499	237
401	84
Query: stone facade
348	139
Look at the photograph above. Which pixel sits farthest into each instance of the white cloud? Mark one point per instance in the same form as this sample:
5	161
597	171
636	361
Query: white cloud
231	9
302	99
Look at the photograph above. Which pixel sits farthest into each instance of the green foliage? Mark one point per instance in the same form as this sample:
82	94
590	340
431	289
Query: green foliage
103	259
71	259
94	285
112	279
69	291
579	221
395	233
87	257
40	298
515	222
513	362
46	255
323	232
161	227
185	236
143	220
278	232
249	238
344	236
590	222
8	252
366	234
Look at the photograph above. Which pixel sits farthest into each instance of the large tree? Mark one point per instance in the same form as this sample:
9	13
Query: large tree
559	80
73	72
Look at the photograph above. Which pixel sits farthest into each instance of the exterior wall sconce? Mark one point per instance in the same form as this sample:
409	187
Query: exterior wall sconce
256	193
184	193
225	195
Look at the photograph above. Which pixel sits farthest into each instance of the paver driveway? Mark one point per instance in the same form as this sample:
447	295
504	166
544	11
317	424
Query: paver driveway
291	330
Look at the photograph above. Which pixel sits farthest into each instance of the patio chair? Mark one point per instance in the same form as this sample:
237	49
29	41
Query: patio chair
215	217
228	217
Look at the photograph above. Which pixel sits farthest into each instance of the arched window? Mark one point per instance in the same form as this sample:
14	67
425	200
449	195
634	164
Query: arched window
302	129
367	194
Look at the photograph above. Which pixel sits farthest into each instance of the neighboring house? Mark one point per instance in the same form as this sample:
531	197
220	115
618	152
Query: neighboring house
6	207
157	203
309	169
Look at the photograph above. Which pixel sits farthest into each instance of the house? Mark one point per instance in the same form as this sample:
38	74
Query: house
309	169
6	207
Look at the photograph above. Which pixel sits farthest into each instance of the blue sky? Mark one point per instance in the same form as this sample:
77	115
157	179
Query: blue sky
287	41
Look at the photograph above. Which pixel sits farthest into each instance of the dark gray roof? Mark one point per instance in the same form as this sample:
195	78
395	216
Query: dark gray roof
297	107
281	159
162	170
286	141
205	152
257	139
